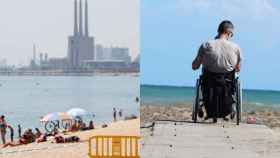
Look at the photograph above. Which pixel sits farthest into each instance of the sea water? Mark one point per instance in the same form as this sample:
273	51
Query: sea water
170	95
24	100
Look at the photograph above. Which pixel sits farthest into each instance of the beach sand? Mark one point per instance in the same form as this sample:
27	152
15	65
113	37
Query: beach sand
201	140
70	150
182	112
205	139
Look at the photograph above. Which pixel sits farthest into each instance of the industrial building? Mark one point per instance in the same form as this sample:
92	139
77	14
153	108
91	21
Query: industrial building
82	53
80	44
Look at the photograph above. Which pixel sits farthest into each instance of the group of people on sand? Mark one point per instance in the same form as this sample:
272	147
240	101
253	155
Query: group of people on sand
30	136
81	126
27	137
115	113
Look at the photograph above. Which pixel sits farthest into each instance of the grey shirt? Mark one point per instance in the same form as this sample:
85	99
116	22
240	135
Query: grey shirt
219	55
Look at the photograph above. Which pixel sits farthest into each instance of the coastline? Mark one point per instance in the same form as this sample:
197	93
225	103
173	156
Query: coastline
58	73
268	116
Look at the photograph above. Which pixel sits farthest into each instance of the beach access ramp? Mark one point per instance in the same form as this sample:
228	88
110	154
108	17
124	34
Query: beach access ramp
205	140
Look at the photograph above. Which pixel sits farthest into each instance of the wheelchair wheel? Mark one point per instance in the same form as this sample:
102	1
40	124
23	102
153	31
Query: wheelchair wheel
238	101
196	102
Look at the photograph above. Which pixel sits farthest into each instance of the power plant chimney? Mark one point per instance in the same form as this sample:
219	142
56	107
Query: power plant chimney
81	19
34	53
75	18
86	19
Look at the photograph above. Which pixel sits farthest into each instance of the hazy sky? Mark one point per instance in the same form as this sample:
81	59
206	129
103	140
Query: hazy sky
172	31
48	23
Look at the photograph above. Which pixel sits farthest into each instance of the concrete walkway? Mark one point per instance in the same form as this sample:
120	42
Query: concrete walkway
222	140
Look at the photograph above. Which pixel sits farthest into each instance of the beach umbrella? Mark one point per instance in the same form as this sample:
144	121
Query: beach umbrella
55	117
77	112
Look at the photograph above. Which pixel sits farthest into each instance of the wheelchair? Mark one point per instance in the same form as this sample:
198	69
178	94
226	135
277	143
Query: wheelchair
200	101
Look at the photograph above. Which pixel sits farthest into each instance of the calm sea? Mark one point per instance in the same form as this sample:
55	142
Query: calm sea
25	99
168	95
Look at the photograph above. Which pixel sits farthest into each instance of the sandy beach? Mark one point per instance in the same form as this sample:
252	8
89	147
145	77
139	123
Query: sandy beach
182	112
205	139
70	150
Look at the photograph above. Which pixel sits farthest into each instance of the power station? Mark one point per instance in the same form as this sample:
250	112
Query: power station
83	54
80	44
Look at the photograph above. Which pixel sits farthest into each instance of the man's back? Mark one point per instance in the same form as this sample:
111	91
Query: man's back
220	55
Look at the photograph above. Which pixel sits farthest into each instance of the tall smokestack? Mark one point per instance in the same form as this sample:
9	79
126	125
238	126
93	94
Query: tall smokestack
86	19
34	53
75	18
81	19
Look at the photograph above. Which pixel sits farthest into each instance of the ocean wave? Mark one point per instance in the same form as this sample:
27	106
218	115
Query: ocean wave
257	103
262	104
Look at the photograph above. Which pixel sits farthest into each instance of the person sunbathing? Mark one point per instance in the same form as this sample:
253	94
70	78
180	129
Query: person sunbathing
27	137
42	138
11	144
38	133
60	139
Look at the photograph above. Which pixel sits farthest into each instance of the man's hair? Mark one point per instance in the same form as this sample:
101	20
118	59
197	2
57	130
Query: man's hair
225	26
2	117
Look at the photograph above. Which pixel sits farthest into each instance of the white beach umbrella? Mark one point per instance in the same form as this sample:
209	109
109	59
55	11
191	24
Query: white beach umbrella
77	112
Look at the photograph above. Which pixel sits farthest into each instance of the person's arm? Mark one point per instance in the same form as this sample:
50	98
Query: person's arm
198	59
6	125
238	65
237	68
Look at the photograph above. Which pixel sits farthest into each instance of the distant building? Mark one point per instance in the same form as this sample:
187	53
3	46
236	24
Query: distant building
107	53
105	64
57	63
120	54
112	53
80	44
33	61
46	57
135	64
99	53
82	54
3	63
137	59
41	58
44	61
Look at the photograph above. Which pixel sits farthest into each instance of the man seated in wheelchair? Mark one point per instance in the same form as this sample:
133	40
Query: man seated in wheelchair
220	59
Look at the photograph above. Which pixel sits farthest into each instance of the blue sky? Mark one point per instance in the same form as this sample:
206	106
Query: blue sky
172	31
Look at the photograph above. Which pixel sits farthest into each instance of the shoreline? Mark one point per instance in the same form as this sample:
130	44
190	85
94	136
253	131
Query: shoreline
136	74
247	106
268	116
